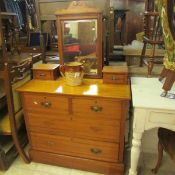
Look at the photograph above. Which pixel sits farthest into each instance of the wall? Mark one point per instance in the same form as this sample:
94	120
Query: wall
134	20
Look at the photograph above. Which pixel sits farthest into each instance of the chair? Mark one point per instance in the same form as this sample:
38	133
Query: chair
11	120
152	36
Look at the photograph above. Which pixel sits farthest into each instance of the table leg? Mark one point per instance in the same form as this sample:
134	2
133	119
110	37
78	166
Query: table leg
135	152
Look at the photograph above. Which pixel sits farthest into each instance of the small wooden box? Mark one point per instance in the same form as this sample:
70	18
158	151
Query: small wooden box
115	74
46	71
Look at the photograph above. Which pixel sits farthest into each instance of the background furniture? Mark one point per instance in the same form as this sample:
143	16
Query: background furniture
150	111
130	22
90	137
131	53
152	36
80	36
11	118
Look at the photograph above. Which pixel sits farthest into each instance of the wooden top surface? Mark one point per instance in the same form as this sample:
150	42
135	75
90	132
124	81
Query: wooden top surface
46	66
115	69
90	87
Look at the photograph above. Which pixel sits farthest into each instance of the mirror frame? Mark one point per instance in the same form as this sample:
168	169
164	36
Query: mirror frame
79	13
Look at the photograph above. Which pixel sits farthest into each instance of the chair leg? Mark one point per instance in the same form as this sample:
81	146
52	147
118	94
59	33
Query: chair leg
160	156
151	61
142	54
150	67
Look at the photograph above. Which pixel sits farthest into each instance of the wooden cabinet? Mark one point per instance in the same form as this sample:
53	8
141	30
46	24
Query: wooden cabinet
78	127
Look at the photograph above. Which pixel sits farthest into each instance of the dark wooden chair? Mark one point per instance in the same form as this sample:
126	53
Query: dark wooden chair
152	36
11	120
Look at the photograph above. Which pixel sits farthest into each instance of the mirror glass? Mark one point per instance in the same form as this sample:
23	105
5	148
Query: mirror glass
79	43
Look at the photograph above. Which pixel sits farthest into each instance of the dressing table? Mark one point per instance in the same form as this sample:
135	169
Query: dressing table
150	111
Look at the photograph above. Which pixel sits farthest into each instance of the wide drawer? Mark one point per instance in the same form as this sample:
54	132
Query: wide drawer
96	108
162	117
63	125
46	103
75	147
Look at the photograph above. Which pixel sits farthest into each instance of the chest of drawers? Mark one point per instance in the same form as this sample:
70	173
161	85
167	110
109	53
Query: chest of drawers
78	127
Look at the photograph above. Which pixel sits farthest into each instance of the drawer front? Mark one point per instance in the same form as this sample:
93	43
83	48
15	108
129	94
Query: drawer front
43	75
51	124
115	78
101	130
162	117
46	103
75	147
96	109
64	125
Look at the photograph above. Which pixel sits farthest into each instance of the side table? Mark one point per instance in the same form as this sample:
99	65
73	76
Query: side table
150	111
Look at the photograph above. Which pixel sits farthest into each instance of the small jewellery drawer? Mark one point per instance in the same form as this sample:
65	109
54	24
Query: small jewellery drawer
45	103
46	71
115	74
75	147
115	78
41	74
96	109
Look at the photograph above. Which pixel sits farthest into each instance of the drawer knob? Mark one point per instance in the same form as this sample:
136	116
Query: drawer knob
50	143
46	104
96	108
42	74
113	78
96	151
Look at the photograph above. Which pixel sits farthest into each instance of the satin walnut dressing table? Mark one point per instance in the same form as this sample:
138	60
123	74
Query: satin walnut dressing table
78	127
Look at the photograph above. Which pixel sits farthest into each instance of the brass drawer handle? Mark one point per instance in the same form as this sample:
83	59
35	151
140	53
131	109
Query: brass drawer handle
96	108
96	151
46	104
